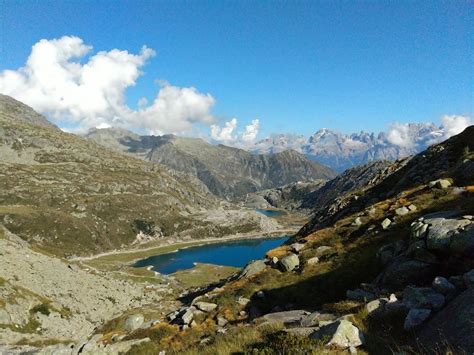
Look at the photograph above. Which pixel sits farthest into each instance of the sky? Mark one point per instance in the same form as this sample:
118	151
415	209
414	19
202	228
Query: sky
239	70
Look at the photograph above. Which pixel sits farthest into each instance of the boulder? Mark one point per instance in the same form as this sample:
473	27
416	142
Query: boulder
440	183
463	242
206	306
297	247
442	285
416	317
342	334
287	318
253	268
441	230
468	278
404	272
422	297
290	262
312	261
134	322
401	211
376	307
188	315
315	318
386	223
453	325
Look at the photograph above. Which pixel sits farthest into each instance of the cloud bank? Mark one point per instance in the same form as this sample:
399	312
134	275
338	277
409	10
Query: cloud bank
62	82
228	135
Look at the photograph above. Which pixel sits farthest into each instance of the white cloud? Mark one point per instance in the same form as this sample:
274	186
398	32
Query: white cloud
228	134
400	134
224	134
57	84
453	124
251	131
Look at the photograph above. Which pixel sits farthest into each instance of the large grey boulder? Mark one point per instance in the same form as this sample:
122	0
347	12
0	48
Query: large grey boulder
453	325
442	230
416	317
253	268
206	306
422	297
342	334
287	318
134	322
290	262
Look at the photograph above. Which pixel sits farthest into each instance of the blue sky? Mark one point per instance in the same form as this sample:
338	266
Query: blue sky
296	65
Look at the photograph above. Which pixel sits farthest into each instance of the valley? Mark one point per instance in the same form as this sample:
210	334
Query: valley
127	244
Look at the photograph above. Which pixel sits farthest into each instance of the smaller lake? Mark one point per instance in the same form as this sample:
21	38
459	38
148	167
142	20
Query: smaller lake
233	253
270	213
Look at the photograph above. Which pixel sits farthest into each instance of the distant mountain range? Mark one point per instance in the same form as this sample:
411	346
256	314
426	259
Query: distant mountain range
227	172
342	151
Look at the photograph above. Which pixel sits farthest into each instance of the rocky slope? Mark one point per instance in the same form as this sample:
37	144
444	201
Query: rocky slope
71	196
227	172
390	269
342	151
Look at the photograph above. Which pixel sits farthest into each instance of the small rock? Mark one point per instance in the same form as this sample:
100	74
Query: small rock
297	247
187	316
222	322
342	334
357	222
316	318
386	223
322	250
376	307
243	301
415	317
205	341
206	306
442	285
402	211
261	294
312	261
134	322
412	207
418	229
290	262
253	268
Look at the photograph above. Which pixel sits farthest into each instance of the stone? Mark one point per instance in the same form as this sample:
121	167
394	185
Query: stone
401	211
442	285
418	229
440	183
357	222
253	268
222	322
312	261
441	230
290	262
315	318
386	223
359	295
342	334
412	207
322	250
376	307
206	306
243	301
297	247
275	260
288	318
188	315
463	242
416	317
468	278
404	272
261	294
422	297
134	322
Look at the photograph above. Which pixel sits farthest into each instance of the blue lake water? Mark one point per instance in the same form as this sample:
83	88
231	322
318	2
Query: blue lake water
233	253
270	213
